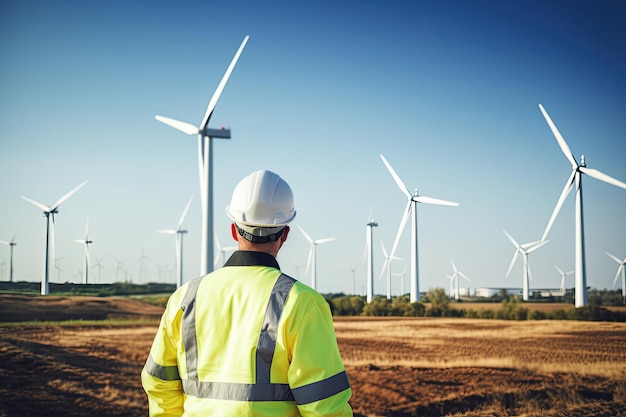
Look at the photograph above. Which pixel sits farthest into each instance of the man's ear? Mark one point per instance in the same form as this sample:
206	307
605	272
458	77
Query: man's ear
283	236
233	231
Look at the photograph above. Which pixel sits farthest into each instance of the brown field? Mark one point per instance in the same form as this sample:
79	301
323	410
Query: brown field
397	366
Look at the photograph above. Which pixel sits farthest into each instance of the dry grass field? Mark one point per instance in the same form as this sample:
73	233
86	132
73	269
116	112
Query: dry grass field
397	366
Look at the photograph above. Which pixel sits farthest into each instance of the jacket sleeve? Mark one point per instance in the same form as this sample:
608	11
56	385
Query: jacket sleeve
159	377
316	374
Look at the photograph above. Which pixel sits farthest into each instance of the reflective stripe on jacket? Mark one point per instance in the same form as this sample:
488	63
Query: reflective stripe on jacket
246	340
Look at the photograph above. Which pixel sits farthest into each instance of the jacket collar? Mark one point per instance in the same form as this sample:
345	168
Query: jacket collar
251	258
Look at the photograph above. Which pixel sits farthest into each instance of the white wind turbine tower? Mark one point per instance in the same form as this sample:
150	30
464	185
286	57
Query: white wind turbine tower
620	269
411	207
369	247
575	177
49	212
401	275
205	153
387	267
523	249
563	275
10	244
178	233
312	259
86	242
220	259
455	277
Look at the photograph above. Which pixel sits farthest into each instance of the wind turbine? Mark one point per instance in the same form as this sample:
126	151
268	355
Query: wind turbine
99	265
312	259
387	267
85	242
205	154
411	207
10	244
179	232
369	246
563	275
221	253
49	212
575	177
455	277
524	249
620	269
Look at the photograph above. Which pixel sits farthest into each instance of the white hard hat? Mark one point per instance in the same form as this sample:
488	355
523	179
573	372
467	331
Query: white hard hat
262	204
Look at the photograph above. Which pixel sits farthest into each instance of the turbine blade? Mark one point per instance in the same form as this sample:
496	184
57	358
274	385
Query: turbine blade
167	232
558	269
453	265
309	261
405	217
178	125
222	84
511	239
619	271
396	178
564	148
305	234
529	244
512	263
182	218
68	195
615	258
464	276
537	246
603	177
384	268
559	203
384	250
37	204
325	240
430	200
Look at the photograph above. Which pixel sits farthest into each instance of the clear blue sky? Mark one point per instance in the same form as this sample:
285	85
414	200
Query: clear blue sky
447	91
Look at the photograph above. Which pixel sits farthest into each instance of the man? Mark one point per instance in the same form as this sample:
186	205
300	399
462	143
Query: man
247	340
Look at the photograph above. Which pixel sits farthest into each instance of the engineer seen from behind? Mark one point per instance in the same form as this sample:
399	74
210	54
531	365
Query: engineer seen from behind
246	339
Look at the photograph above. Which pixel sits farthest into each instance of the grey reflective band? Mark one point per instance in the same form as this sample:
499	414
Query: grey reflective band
267	338
164	373
238	392
188	330
322	389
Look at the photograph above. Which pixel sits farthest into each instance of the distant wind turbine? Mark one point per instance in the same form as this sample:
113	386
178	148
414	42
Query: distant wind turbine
620	269
205	154
220	259
179	232
575	177
387	267
401	275
99	265
49	212
455	277
312	259
411	207
523	249
563	275
10	243
369	247
86	242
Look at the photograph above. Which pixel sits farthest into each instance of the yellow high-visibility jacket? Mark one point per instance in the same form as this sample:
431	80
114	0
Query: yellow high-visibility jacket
246	340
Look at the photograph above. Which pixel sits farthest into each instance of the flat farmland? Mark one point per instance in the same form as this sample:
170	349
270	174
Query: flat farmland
396	366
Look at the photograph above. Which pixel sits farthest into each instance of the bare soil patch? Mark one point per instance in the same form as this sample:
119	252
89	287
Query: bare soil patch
397	367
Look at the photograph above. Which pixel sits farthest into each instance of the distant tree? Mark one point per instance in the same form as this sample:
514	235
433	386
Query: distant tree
439	302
